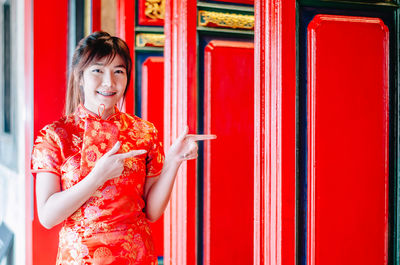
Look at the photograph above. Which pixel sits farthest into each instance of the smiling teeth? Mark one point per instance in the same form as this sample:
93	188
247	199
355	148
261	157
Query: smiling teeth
104	93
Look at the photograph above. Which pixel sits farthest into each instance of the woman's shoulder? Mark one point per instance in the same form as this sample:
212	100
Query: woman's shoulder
59	127
64	121
140	124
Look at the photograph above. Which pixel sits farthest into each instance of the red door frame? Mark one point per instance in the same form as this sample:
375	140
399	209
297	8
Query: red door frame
275	126
180	105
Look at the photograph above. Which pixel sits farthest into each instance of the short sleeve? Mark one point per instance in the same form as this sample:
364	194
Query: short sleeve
155	157
46	153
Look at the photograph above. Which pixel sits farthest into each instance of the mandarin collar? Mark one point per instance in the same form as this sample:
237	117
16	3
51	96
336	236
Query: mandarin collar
83	113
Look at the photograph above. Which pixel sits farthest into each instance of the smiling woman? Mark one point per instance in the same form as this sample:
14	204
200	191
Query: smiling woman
111	168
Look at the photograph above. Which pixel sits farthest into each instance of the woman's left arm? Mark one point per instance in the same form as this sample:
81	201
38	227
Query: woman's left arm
157	190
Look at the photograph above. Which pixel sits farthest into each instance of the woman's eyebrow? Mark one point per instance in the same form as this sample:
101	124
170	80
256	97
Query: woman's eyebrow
117	66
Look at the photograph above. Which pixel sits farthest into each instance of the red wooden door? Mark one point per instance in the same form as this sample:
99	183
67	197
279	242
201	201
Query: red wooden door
228	163
347	140
346	191
152	106
226	97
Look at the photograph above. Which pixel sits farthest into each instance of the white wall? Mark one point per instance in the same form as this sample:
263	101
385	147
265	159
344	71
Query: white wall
12	182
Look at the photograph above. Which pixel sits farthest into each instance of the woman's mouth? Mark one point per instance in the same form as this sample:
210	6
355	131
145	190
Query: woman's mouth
106	93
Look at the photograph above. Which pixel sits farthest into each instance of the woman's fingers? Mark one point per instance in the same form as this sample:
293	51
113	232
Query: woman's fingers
191	151
193	147
114	149
200	137
183	134
131	154
190	156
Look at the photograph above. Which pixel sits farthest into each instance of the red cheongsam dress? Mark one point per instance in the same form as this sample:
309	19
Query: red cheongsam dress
111	227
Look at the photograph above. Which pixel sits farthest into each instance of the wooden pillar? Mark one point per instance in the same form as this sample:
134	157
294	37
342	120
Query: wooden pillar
49	86
179	110
275	132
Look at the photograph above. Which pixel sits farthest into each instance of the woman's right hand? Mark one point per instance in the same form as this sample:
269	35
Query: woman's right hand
54	205
111	165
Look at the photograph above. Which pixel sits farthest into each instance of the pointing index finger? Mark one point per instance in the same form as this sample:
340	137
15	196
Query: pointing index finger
200	137
131	154
114	149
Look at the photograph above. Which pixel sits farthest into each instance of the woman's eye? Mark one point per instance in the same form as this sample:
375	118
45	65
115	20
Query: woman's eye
119	71
96	70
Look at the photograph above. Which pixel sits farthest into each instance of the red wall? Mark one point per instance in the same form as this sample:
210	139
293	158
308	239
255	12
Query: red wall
50	29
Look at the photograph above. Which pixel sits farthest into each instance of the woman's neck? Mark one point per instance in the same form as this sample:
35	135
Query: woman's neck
101	111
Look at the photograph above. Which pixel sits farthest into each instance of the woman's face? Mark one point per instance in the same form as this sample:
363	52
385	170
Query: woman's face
104	84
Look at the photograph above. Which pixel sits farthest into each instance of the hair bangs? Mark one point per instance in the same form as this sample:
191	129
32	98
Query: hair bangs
102	52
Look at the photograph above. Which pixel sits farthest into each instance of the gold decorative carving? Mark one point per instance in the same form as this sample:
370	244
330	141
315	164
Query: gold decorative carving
150	40
155	9
225	20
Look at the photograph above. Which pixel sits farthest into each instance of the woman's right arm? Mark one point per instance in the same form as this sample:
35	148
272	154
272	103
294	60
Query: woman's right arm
54	205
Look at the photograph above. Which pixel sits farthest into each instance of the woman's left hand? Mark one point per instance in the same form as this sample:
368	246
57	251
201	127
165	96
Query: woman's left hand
185	146
158	190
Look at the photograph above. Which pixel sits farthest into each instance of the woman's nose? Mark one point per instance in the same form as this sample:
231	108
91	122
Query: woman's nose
107	79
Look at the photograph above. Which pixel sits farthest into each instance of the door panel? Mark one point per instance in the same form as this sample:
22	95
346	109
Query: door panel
152	103
347	160
228	164
140	67
153	92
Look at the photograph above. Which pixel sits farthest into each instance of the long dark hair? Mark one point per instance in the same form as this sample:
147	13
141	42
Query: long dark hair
94	47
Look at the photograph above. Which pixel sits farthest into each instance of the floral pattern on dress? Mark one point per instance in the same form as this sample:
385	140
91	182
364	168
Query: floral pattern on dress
111	227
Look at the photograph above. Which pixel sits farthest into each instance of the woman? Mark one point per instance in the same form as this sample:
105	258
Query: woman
102	171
